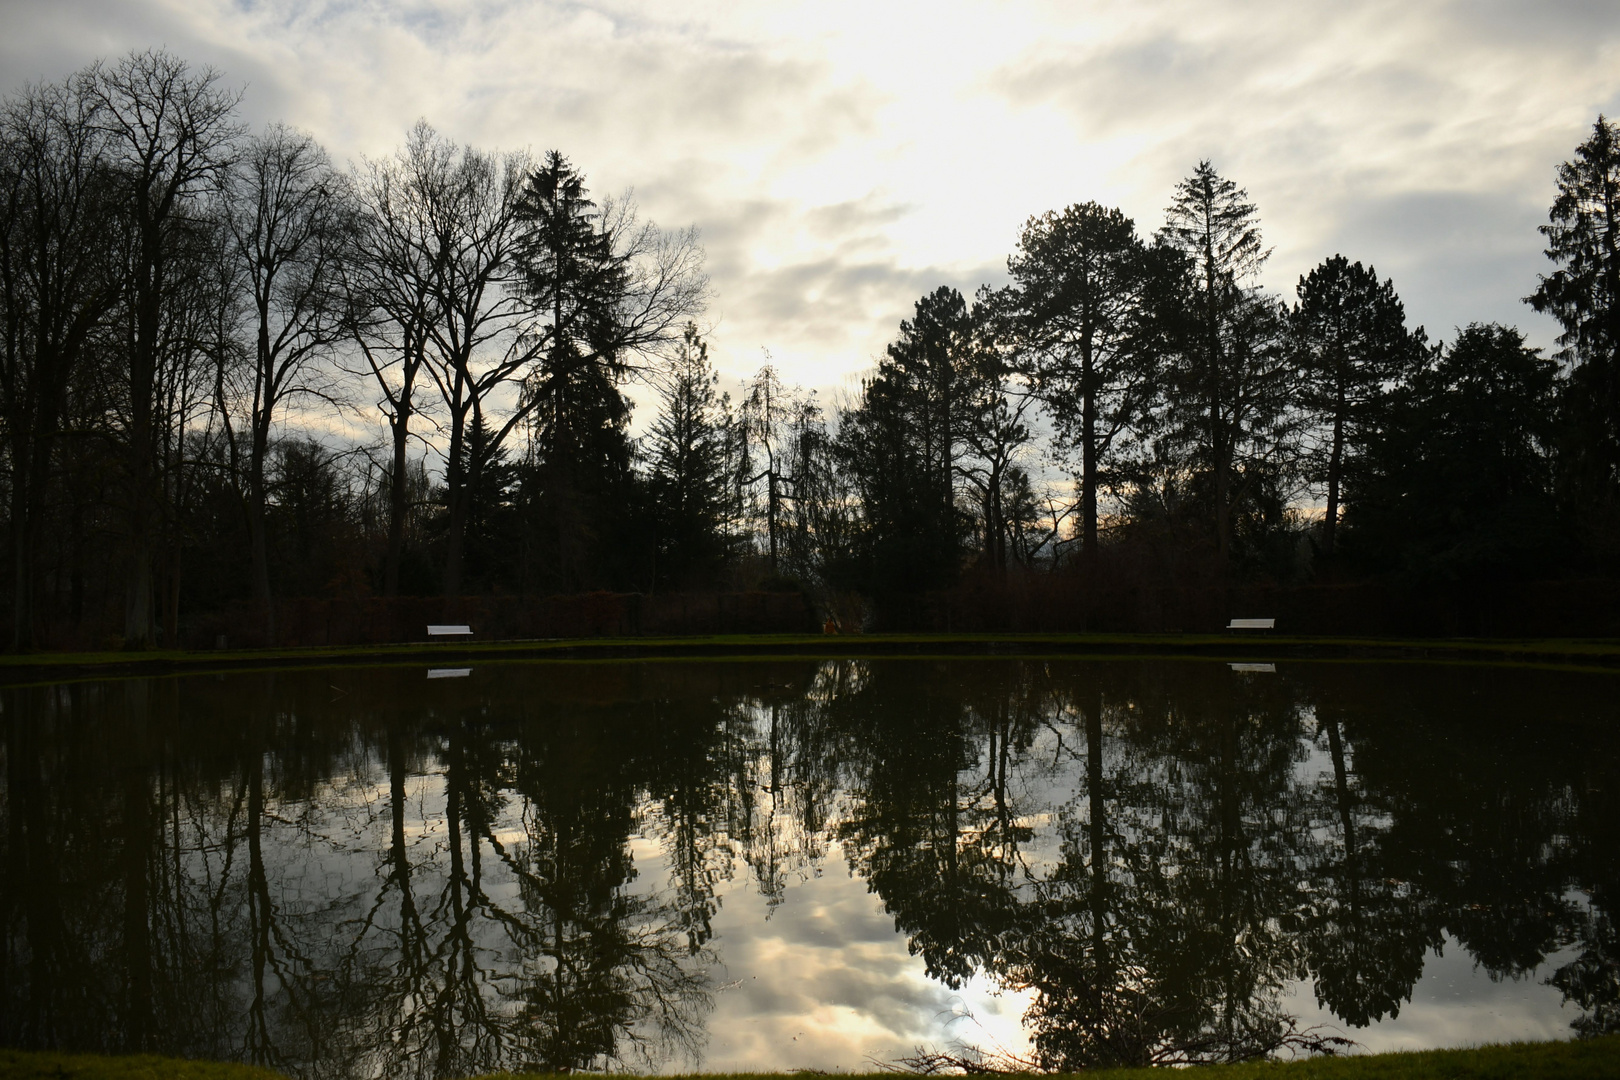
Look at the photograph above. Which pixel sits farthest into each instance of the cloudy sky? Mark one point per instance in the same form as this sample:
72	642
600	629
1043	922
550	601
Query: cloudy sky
843	158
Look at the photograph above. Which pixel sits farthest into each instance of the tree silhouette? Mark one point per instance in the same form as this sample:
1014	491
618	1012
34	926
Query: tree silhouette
1352	342
1083	322
1228	384
1583	294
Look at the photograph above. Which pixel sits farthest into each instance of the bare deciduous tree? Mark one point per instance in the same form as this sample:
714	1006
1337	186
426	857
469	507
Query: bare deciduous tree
172	132
285	219
59	282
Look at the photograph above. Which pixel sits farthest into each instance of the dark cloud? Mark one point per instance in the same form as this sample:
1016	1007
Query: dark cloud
1455	258
52	40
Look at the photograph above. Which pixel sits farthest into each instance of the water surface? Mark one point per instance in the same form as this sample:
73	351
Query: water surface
775	865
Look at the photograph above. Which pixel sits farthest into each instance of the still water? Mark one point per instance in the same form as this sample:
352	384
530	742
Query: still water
393	872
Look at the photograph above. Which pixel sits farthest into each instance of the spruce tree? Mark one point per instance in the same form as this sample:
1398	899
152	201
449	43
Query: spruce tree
686	451
1227	384
1583	294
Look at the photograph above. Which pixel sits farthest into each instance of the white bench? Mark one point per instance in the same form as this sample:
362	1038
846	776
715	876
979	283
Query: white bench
1252	624
448	631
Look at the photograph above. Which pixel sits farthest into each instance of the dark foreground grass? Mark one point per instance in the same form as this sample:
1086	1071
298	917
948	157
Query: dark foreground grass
1591	1059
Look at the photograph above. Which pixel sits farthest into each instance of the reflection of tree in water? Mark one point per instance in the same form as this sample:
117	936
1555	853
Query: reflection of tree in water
932	823
379	922
1225	838
1168	930
534	950
383	880
789	769
1496	804
1367	928
1592	979
614	982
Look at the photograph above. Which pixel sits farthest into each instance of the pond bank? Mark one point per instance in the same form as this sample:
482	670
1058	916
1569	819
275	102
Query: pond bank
1580	1060
1573	653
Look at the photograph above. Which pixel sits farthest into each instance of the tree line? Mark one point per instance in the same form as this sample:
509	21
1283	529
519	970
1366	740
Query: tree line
198	318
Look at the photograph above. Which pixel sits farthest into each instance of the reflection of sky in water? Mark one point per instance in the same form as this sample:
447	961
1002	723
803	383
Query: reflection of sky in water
805	968
1456	1004
826	983
823	980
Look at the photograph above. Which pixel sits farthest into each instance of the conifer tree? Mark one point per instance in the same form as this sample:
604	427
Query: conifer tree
1351	344
1583	294
1080	315
905	441
686	448
1228	381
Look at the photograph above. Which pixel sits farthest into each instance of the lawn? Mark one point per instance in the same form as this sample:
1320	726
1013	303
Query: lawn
1589	1059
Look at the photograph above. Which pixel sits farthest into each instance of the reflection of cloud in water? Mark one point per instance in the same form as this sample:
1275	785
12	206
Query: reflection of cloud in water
1456	1004
826	983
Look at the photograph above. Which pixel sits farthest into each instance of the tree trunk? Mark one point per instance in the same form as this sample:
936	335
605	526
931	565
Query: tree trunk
398	493
1330	524
456	500
22	547
171	600
1088	473
258	531
143	505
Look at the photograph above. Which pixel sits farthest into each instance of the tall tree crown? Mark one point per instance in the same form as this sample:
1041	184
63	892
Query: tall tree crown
1212	221
1583	238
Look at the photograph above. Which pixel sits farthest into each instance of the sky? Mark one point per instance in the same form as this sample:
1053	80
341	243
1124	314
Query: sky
842	158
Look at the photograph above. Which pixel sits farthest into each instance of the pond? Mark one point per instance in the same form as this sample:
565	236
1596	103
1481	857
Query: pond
818	864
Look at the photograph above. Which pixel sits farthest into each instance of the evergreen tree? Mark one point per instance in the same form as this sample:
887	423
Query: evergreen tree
904	441
1227	387
493	531
1457	484
1583	294
1351	343
581	491
686	447
1081	318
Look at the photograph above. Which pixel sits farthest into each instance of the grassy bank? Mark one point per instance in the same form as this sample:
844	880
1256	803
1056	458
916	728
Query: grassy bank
1559	652
1590	1059
18	1065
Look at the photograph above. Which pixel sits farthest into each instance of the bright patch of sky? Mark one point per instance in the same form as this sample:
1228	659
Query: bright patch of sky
843	158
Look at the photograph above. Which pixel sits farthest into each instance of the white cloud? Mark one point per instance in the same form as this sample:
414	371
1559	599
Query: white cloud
842	158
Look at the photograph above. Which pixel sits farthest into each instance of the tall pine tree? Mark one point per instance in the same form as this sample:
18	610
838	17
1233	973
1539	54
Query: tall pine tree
1351	345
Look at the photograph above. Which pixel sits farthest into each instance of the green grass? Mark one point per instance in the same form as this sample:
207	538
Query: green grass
18	1065
1590	1059
1567	653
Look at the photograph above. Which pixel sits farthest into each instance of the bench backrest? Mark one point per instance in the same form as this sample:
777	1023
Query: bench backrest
1252	624
438	631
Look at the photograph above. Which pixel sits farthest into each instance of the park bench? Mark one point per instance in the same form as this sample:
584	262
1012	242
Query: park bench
1252	624
435	630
